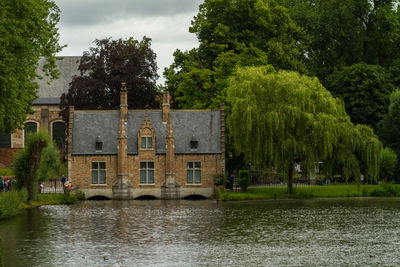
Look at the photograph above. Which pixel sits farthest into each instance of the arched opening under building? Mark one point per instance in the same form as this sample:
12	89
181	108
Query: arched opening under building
99	197
146	197
194	197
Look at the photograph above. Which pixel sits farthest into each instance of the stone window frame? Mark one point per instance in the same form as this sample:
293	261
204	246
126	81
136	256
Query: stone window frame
98	170
51	129
99	144
146	169
193	170
23	131
146	147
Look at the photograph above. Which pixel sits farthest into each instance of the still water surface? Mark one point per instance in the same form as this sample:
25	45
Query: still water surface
324	232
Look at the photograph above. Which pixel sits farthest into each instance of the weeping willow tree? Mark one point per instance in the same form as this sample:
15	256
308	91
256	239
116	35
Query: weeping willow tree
282	118
37	162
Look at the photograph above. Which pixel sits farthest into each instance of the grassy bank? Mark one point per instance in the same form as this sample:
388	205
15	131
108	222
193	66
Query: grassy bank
11	203
385	190
49	199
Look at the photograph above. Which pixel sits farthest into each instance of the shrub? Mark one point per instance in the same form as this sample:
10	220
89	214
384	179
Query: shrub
11	203
218	192
69	198
220	179
386	190
80	195
387	164
244	179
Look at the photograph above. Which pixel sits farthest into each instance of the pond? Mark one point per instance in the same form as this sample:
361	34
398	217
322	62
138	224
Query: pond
318	232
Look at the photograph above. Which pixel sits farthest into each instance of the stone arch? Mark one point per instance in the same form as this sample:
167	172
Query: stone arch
146	197
99	197
194	197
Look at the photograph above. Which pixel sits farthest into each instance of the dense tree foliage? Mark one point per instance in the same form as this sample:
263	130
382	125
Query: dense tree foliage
387	164
27	32
105	66
389	127
365	90
282	118
232	33
37	162
343	33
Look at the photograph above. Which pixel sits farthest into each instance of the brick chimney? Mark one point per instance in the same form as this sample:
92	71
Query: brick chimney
165	107
170	147
122	138
122	188
170	189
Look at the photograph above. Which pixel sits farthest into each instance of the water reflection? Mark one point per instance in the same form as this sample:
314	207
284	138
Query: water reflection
202	233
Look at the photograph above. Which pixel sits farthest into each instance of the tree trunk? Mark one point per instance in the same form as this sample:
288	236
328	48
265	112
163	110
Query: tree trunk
290	177
35	153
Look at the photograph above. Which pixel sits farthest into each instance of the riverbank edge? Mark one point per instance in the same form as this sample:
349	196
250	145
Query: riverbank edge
16	203
309	192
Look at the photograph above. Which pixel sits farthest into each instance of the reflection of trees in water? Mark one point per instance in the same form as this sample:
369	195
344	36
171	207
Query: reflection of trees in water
1	254
25	234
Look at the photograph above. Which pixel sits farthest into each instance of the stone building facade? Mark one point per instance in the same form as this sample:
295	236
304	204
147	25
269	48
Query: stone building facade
127	154
46	111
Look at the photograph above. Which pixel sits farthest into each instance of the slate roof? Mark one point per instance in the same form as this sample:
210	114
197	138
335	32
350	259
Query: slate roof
47	101
204	124
68	67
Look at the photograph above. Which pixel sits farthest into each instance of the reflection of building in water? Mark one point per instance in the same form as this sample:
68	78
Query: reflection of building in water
165	153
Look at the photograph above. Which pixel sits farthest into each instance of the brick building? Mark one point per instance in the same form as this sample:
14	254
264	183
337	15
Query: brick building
45	114
125	154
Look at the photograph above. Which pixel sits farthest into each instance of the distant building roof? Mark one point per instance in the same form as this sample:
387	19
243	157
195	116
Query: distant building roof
68	67
205	124
47	101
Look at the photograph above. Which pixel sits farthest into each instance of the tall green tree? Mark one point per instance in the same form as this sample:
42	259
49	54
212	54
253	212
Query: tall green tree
389	127
282	118
27	32
105	66
365	90
37	162
343	33
232	33
387	164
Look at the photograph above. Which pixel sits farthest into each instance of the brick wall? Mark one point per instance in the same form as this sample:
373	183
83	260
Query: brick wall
80	172
7	157
43	115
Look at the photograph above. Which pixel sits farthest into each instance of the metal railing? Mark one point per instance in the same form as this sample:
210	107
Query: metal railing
52	186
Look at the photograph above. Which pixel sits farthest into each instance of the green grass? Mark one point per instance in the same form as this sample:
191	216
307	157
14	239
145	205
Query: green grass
52	199
47	199
313	192
6	172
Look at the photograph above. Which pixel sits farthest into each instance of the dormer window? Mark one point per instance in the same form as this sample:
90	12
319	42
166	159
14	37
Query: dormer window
147	142
193	143
99	144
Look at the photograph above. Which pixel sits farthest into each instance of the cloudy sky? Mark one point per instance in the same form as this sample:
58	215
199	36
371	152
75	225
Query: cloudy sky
166	22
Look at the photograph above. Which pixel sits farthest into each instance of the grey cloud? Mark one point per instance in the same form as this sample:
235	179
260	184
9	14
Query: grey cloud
88	12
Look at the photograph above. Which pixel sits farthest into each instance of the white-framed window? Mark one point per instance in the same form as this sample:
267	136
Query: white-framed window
194	172
147	142
147	172
98	172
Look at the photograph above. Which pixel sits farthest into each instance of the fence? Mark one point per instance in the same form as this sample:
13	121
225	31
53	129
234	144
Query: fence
53	186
